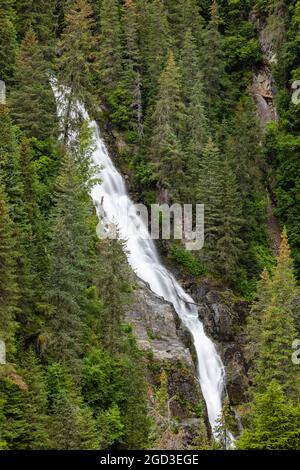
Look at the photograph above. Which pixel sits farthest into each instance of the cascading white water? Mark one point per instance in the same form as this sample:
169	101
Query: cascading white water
111	196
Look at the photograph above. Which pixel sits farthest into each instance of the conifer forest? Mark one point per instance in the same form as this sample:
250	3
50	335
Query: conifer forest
119	341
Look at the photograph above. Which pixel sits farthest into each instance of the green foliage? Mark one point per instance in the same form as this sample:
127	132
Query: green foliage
110	52
8	289
42	17
8	47
119	101
275	422
272	326
75	66
32	99
224	425
168	120
185	258
173	78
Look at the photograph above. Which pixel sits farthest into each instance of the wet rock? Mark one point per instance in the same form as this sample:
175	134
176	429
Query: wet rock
223	317
157	327
263	86
236	377
161	335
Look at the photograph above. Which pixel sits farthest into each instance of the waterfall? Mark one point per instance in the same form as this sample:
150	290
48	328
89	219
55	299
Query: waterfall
111	196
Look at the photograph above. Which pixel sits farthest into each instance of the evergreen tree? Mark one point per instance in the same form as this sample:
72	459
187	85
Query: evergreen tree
3	443
189	64
155	42
229	244
212	64
36	403
224	424
243	145
22	230
32	100
41	16
134	405
209	193
77	60
132	63
273	323
184	14
169	124
8	47
275	422
197	136
110	55
73	427
10	166
14	427
69	273
114	284
244	149
8	286
29	182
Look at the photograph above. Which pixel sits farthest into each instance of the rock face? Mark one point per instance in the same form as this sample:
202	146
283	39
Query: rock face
223	318
263	88
166	343
263	95
156	327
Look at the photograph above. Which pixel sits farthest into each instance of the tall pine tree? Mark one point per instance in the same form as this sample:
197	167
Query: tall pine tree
32	99
169	117
272	326
77	60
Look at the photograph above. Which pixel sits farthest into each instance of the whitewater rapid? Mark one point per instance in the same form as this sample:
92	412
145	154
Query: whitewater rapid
113	204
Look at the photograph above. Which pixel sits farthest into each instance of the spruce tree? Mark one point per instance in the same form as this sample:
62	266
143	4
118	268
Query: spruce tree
212	64
114	284
155	42
14	427
229	244
41	16
8	285
69	272
209	193
184	14
189	64
77	60
197	136
30	182
73	427
224	424
273	323
36	403
134	404
169	116
110	54
8	48
32	99
132	64
22	231
243	146
275	422
10	166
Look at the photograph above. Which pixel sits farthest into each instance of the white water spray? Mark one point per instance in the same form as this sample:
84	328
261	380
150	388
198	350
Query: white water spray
111	195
